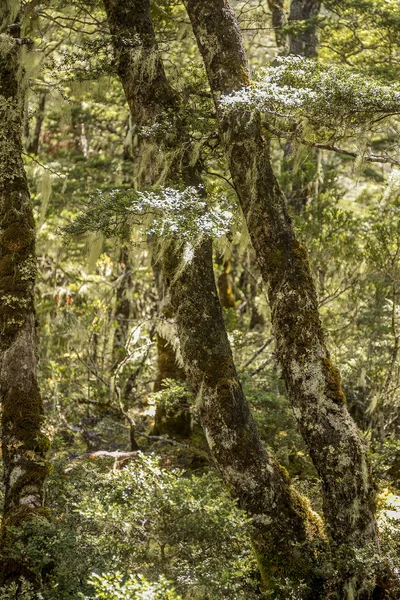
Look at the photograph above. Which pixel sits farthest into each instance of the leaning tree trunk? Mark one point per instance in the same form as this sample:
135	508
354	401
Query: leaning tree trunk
24	444
313	382
286	534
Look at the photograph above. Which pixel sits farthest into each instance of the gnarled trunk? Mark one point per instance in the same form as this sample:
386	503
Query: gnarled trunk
24	445
313	383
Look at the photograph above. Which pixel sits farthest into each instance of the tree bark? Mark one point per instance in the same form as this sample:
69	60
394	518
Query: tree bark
33	146
286	534
305	42
150	99
313	383
279	20
137	60
24	445
225	288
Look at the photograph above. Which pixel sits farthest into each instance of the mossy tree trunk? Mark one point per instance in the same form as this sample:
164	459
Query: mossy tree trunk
175	421
172	421
150	99
139	61
286	533
313	383
225	282
24	444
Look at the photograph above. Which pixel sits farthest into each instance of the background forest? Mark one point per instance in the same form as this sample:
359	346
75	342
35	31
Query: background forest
139	508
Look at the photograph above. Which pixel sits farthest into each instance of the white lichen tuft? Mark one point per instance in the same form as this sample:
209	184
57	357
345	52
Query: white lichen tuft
167	330
15	475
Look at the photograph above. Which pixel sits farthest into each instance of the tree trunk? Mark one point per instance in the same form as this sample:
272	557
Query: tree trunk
123	306
24	445
277	8
225	288
176	421
286	533
138	61
149	102
33	146
313	383
173	421
304	42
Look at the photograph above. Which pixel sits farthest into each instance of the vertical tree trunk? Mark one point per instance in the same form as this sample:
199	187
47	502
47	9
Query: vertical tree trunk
313	383
225	289
285	532
277	8
174	422
304	42
149	101
33	145
123	306
24	444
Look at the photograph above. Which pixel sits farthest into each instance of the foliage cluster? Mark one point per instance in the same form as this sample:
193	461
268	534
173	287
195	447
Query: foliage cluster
139	530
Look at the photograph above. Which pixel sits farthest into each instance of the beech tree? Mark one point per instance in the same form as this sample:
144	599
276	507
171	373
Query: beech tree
24	444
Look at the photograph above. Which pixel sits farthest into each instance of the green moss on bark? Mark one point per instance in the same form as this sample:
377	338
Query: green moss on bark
333	382
17	237
24	444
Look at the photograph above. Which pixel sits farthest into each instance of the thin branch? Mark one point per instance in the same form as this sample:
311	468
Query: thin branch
44	166
266	362
375	158
258	352
92	371
224	178
370	158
